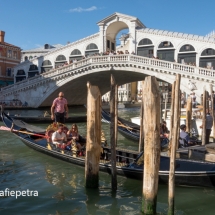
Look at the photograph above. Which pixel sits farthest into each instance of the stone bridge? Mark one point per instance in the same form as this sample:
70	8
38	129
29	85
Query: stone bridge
40	90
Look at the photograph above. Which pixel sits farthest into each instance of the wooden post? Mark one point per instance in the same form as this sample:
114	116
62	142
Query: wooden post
141	140
93	145
204	118
113	131
165	112
188	114
116	114
174	144
151	123
172	111
212	111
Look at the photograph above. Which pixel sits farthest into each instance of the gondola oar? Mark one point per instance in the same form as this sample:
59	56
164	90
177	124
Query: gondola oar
3	128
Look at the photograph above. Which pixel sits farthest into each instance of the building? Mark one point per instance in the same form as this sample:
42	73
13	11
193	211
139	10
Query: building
186	49
34	53
10	56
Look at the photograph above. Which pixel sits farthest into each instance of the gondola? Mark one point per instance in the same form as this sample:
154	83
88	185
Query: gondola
129	163
131	130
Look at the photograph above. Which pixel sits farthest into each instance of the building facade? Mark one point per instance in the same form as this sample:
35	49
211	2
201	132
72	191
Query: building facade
10	56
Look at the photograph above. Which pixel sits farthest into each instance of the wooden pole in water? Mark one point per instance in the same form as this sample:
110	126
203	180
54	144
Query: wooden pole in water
188	114
141	140
212	111
172	111
93	145
116	114
174	144
204	118
113	132
165	112
151	123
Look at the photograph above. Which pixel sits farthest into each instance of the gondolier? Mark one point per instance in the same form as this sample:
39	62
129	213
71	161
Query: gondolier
59	109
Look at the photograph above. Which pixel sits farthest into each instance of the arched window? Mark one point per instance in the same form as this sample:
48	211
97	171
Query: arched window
145	48
187	48
91	49
46	63
61	58
26	58
145	41
166	51
187	55
75	52
46	66
207	59
75	55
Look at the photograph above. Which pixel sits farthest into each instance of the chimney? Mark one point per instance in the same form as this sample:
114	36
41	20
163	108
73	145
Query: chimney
2	33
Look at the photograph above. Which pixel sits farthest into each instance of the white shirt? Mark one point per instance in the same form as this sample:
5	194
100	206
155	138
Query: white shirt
57	135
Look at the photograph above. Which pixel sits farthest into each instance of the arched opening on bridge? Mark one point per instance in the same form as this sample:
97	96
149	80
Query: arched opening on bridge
166	51
91	49
117	37
187	55
20	75
26	58
33	70
145	48
46	66
207	59
75	55
60	60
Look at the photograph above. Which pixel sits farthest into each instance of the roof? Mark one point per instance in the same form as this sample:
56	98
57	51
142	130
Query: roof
10	45
42	49
116	14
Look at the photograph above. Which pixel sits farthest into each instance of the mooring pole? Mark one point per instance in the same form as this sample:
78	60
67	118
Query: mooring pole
141	140
188	114
93	145
172	111
116	114
212	110
113	135
204	117
152	147
174	144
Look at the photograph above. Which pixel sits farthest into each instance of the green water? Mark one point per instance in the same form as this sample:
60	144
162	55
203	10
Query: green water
60	185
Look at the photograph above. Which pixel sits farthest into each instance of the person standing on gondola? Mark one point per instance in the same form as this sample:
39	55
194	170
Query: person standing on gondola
59	109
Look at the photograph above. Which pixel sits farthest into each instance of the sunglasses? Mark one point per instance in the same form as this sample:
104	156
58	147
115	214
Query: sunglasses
61	96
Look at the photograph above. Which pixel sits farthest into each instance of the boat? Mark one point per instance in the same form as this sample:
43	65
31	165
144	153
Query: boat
129	163
131	130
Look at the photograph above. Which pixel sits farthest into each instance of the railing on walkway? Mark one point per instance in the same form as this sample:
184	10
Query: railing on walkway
111	59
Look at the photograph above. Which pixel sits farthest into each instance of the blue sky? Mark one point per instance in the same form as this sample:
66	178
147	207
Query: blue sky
32	23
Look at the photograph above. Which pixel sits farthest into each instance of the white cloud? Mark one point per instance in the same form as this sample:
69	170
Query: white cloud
80	9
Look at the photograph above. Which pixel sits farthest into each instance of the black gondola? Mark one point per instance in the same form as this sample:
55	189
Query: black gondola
129	163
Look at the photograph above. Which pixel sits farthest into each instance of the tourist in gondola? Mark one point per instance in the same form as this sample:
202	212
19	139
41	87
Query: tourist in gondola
184	139
74	136
59	138
164	130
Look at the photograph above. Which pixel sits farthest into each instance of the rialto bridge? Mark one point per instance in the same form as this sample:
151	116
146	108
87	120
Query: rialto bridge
72	79
156	52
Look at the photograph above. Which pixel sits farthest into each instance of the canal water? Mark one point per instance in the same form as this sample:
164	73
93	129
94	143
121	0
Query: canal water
60	185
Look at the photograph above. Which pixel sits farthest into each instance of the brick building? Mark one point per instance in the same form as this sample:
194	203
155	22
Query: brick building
10	56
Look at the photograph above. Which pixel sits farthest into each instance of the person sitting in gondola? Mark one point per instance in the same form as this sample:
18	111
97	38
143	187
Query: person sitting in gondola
164	132
74	136
184	139
59	138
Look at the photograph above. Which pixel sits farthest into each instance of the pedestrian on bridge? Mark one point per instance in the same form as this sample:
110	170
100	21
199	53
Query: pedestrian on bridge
59	109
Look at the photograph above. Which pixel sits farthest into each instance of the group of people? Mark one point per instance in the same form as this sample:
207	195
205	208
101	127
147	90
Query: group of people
59	111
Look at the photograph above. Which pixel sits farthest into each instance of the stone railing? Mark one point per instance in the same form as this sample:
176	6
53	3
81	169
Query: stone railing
111	60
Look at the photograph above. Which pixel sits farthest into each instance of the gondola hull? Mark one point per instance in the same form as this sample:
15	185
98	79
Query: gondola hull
188	172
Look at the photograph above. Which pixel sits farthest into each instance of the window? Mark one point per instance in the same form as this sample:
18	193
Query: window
187	47
9	53
8	72
15	55
108	44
